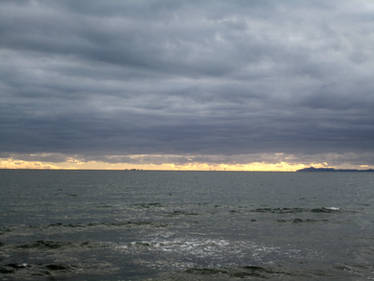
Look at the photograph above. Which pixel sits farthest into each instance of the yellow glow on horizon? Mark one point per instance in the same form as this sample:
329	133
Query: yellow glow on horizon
76	164
10	163
165	162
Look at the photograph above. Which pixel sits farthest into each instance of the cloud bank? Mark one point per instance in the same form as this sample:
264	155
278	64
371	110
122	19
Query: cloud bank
207	79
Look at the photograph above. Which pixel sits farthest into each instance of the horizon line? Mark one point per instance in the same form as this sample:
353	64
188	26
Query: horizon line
140	170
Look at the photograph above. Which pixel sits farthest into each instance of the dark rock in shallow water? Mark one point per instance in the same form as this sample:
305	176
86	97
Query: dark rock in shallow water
65	225
182	213
57	267
325	210
6	270
45	244
262	272
297	220
279	210
140	244
107	224
250	272
72	194
296	210
17	265
12	267
135	223
206	271
254	271
75	225
148	205
311	220
4	230
55	224
129	223
254	268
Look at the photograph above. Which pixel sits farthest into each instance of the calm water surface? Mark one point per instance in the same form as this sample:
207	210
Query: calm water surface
142	225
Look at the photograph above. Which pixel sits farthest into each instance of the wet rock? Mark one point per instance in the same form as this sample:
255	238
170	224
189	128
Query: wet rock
325	210
74	225
12	267
70	225
105	206
279	210
6	270
343	267
149	205
140	223
4	230
55	267
242	272
108	224
55	224
263	210
259	271
253	270
128	223
40	244
42	273
182	213
17	265
296	210
206	271
298	220
85	244
311	220
140	244
133	223
72	194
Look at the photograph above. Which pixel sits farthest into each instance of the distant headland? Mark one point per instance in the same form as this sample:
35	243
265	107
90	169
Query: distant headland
312	169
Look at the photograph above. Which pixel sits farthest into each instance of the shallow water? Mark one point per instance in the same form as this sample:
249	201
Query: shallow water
142	225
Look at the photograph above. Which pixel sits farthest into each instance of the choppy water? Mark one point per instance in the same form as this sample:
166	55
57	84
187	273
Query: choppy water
117	225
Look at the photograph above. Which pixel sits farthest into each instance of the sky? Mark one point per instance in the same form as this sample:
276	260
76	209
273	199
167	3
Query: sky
186	84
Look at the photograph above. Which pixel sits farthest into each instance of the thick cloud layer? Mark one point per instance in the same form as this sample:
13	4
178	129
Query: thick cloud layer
186	77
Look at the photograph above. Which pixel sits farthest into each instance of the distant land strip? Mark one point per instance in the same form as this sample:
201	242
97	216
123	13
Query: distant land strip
312	169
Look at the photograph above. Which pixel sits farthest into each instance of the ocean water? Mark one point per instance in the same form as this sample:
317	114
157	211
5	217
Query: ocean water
148	225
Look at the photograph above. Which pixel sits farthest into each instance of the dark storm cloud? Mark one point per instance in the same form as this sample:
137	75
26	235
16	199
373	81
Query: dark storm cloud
186	77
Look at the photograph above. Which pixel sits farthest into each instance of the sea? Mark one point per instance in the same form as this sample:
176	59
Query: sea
171	225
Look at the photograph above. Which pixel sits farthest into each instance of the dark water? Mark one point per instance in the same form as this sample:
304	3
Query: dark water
117	225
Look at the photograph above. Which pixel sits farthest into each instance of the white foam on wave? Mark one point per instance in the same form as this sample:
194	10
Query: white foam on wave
332	208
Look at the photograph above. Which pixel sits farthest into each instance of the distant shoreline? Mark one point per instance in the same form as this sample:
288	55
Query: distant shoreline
312	169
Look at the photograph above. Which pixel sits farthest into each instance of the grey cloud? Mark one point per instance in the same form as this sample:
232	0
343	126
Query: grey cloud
186	77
